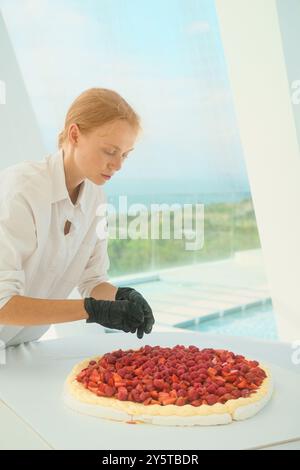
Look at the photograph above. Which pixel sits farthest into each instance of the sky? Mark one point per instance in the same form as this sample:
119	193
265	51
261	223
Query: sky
165	57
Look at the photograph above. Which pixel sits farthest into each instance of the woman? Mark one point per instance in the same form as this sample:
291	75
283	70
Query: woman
48	238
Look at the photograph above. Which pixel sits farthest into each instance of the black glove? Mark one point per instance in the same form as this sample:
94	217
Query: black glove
119	314
128	293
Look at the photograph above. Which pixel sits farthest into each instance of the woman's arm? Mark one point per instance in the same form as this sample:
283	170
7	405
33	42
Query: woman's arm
104	291
21	310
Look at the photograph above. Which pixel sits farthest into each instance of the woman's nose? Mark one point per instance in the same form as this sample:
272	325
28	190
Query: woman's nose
117	162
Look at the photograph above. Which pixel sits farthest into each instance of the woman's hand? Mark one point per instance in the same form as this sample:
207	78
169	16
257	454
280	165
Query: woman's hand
128	293
129	312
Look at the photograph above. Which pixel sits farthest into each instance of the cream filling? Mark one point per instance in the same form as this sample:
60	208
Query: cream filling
83	400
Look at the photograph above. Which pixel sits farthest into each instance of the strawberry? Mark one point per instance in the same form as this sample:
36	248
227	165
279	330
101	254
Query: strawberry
180	401
196	403
147	401
169	401
211	399
122	394
109	391
242	384
155	402
212	371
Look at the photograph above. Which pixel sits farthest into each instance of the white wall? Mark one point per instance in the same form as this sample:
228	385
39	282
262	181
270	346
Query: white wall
20	137
289	23
257	70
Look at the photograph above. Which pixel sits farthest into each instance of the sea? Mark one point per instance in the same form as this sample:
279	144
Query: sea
158	191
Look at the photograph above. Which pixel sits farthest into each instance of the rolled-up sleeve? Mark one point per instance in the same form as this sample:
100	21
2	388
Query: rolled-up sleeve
17	242
96	269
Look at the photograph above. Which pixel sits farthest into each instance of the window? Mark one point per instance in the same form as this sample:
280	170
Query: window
166	59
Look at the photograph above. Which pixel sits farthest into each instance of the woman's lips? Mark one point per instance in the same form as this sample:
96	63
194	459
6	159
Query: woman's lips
106	176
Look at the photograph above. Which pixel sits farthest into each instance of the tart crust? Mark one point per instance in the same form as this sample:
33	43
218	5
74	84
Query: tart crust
82	400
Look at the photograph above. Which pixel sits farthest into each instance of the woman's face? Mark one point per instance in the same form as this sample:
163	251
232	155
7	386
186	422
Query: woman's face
102	151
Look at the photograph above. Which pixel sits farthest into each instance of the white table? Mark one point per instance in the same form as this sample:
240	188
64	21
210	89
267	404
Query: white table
22	431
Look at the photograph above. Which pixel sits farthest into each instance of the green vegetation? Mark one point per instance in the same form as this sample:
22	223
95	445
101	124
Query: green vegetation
228	227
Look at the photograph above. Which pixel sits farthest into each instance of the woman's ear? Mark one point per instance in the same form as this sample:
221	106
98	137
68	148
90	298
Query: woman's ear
74	134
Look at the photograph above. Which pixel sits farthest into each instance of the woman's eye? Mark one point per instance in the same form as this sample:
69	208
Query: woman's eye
111	154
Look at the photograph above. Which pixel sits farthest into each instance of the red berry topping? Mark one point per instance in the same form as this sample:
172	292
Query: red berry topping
172	376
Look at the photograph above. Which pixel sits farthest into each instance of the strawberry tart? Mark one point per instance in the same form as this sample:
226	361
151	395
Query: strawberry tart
180	386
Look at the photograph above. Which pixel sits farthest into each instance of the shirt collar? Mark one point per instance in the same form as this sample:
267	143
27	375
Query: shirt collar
59	188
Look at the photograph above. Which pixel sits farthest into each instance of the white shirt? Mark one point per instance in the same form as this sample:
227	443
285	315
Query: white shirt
36	258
